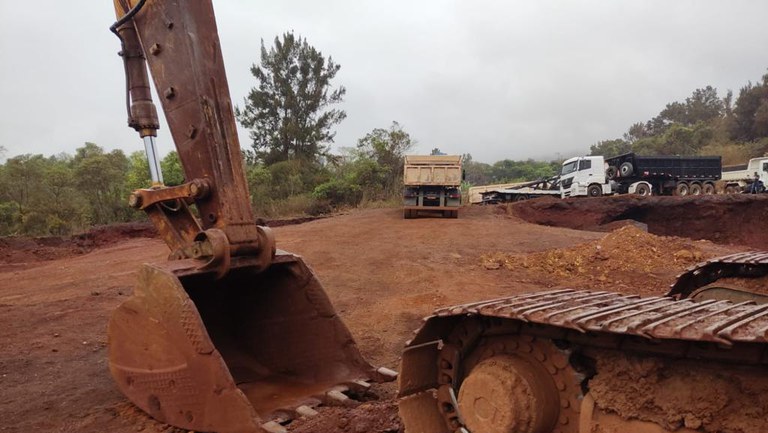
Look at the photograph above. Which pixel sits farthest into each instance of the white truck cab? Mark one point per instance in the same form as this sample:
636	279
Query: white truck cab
584	176
739	177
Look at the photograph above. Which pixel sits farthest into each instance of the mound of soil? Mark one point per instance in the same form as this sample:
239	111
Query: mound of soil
725	219
625	255
25	250
19	249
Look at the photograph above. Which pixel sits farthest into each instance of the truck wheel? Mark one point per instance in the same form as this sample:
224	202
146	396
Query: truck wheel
642	190
594	191
520	197
610	172
708	188
695	189
626	169
682	189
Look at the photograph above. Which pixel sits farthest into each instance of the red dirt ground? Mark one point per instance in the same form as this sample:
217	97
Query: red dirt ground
383	274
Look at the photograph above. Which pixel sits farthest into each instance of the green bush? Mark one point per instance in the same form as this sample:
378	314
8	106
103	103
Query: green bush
338	192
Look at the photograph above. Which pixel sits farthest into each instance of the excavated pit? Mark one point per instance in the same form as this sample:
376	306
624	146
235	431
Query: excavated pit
724	219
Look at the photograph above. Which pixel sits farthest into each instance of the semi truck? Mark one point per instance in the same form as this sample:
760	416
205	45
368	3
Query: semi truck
595	176
740	178
432	183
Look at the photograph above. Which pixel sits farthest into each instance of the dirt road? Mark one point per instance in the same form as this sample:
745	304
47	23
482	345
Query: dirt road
382	273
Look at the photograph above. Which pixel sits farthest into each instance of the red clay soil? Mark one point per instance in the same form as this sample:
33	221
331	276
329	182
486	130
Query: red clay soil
727	219
382	273
20	251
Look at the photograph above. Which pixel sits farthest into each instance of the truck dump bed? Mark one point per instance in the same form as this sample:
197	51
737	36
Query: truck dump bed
687	167
442	170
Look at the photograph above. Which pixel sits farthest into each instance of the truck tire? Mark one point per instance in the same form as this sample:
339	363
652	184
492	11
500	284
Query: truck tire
594	191
610	172
520	197
731	189
708	188
696	189
642	190
626	169
682	189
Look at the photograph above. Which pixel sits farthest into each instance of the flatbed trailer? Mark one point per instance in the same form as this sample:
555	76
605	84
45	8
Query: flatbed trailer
549	187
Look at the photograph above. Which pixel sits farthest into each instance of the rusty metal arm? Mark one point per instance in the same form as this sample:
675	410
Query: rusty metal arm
179	42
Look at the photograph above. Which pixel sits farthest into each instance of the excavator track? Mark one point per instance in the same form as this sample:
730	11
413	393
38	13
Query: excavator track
701	281
549	362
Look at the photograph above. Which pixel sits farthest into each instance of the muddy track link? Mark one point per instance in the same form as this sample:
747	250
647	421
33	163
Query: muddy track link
752	264
653	318
542	328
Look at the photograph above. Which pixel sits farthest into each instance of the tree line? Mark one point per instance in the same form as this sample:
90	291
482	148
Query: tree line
703	124
290	169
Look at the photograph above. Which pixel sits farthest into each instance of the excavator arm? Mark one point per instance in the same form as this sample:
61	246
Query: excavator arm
180	44
228	335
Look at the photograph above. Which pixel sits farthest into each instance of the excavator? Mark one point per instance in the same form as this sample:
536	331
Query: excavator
229	334
232	335
569	361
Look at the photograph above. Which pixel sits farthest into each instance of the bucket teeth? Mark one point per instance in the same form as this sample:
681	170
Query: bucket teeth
337	397
358	386
273	427
386	375
305	411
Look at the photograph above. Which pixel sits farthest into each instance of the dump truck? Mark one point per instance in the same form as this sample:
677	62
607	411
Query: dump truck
740	178
229	334
665	175
432	183
595	176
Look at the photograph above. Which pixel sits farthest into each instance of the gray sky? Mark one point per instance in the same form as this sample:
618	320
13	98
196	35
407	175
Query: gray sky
497	79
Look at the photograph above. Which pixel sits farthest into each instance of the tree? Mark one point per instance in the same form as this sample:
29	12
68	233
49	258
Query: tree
101	177
288	113
436	151
702	106
21	183
610	148
387	147
173	173
750	114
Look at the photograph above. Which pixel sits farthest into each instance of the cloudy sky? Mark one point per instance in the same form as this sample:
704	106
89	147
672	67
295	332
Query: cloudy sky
497	79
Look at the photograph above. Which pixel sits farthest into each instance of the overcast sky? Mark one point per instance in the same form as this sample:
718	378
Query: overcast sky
497	79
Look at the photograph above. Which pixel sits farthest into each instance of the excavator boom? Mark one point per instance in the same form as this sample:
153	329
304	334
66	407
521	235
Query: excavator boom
229	335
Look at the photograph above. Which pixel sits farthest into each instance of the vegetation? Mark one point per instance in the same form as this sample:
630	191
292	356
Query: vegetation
288	113
290	169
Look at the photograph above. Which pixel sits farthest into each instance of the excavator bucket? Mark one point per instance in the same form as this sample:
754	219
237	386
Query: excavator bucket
236	354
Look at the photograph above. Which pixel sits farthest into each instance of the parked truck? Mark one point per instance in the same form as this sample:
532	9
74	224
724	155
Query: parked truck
740	178
538	188
663	175
432	183
595	176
